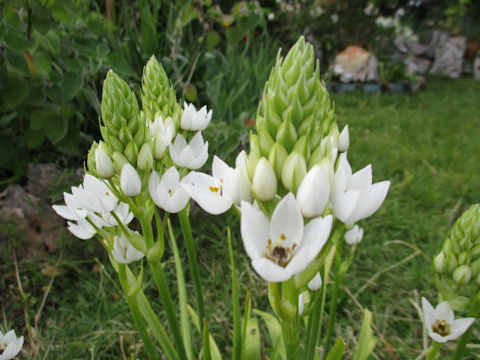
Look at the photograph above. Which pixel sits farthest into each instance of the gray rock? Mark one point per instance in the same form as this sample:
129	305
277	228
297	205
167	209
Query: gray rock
42	178
476	66
449	57
417	65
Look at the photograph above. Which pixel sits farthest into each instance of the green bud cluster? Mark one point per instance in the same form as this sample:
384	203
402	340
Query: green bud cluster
124	133
295	119
158	96
457	266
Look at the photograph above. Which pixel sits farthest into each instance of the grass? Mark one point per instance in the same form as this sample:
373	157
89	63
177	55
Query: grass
425	143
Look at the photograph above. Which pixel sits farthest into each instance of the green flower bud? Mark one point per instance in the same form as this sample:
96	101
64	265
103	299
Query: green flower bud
115	144
104	164
119	160
277	157
264	181
462	275
293	172
475	266
158	96
91	164
145	158
255	146
252	162
478	279
439	262
463	258
302	146
131	152
286	135
265	141
451	262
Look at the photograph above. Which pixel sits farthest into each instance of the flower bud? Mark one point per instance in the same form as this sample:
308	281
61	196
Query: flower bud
252	162
131	152
91	163
286	135
103	162
293	172
314	190
264	181
315	283
145	158
343	140
119	160
451	262
130	181
277	157
354	236
439	262
462	275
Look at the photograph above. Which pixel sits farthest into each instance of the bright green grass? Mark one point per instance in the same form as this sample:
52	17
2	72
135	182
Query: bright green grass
426	143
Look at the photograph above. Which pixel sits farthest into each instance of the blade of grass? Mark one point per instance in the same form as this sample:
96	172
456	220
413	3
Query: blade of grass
237	335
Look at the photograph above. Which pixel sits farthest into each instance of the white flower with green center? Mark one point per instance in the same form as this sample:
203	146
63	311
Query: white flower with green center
192	155
123	252
168	193
195	120
440	323
10	345
353	196
94	195
162	133
282	247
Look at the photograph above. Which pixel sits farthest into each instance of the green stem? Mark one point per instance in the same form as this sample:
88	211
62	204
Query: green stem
336	290
290	324
192	260
462	343
432	352
237	335
313	327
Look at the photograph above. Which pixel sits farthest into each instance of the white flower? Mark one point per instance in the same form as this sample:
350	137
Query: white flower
344	140
191	156
440	323
162	133
10	346
103	162
81	229
264	181
237	185
72	210
354	236
122	211
123	252
314	190
282	247
195	120
94	195
354	197
130	181
315	283
301	303
168	193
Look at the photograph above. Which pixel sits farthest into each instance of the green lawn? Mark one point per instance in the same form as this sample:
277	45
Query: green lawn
426	143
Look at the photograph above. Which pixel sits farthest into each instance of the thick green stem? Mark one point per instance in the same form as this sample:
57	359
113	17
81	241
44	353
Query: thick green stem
290	324
433	350
237	335
462	343
192	260
313	327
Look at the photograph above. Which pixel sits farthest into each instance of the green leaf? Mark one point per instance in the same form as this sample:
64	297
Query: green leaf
70	144
102	50
15	41
207	355
37	120
92	99
17	62
253	345
337	351
213	345
55	127
213	39
7	119
50	41
42	63
34	138
71	85
36	96
367	341
15	92
118	63
274	331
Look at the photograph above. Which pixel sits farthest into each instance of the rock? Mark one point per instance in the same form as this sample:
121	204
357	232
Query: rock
42	178
476	66
39	226
417	65
356	64
449	57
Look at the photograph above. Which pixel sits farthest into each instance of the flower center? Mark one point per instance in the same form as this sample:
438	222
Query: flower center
217	190
3	347
278	253
441	327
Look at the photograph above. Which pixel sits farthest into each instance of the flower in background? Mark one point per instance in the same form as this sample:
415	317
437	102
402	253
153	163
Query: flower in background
168	193
282	247
192	155
195	120
354	235
353	196
123	252
440	323
10	345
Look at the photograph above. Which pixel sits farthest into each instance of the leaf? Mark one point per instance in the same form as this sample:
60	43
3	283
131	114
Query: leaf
42	63
102	50
367	341
213	345
15	41
118	64
17	62
71	85
37	120
274	331
213	39
253	345
337	351
15	92
92	99
50	41
7	119
55	127
70	144
34	138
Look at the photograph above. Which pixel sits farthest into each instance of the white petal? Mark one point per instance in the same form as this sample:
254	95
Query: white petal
301	303
287	221
130	181
255	230
344	205
82	230
65	212
197	143
435	336
153	182
270	271
370	200
459	326
444	311
362	179
219	168
315	283
428	313
314	191
210	202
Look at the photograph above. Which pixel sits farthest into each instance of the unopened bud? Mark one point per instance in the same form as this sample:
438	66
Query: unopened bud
451	262
343	140
130	181
145	158
103	162
131	152
277	157
119	160
264	181
439	262
462	275
293	172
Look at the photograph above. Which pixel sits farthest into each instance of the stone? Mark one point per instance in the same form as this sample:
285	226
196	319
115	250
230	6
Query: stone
417	65
41	178
449	57
33	218
476	66
356	64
